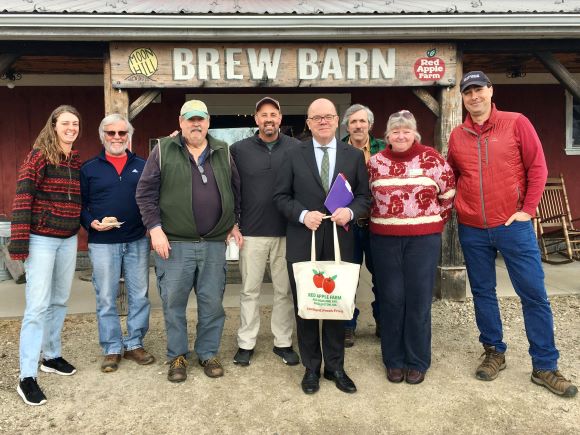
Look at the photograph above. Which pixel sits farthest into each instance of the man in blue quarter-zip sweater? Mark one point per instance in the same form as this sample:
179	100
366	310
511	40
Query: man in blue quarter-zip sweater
117	242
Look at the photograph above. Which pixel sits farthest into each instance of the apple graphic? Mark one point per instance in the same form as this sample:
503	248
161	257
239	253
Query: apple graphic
318	278
328	284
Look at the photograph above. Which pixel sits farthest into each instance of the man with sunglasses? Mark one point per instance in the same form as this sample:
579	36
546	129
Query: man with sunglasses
299	193
501	172
189	199
108	185
358	121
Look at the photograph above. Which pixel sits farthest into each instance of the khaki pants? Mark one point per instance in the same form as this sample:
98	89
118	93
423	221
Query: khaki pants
253	258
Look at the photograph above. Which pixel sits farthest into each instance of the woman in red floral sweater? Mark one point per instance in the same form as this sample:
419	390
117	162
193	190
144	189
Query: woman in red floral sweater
412	188
45	222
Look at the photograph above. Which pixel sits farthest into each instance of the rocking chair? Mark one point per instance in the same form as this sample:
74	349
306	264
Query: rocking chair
555	226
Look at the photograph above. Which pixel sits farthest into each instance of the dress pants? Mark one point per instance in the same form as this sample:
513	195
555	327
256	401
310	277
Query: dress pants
308	331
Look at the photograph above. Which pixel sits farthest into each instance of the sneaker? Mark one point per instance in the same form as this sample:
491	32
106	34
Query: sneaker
140	356
555	382
30	392
59	365
491	365
212	367
287	354
177	369
110	363
348	337
243	357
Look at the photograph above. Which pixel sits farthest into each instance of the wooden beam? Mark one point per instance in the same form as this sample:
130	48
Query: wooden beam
142	102
428	100
525	46
89	49
560	72
6	61
451	273
116	100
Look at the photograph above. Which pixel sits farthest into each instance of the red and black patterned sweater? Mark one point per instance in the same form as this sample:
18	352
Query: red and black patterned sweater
412	192
47	201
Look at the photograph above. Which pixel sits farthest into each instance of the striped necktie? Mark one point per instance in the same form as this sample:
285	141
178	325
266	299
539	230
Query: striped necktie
324	169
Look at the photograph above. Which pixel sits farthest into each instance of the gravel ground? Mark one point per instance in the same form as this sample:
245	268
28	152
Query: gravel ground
266	397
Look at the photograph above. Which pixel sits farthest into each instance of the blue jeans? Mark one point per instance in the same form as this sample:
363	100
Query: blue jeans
405	285
362	247
50	268
518	246
107	261
199	265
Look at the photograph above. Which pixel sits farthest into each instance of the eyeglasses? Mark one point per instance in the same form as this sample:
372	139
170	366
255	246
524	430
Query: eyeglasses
111	133
402	114
318	119
202	172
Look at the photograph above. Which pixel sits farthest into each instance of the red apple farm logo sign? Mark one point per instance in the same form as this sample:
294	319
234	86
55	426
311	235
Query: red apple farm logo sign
325	302
430	68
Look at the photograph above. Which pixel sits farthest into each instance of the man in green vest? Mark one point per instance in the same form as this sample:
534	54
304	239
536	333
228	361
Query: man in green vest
188	196
358	121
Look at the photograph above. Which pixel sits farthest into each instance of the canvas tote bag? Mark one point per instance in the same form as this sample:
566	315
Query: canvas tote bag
326	289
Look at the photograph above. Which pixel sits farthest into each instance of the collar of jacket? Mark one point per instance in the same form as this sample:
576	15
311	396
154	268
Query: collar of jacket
469	125
375	144
213	143
102	156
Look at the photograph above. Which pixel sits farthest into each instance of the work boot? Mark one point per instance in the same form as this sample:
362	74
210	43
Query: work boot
110	363
140	356
555	382
491	365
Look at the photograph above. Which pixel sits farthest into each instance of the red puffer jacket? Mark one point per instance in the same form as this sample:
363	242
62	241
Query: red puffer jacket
499	171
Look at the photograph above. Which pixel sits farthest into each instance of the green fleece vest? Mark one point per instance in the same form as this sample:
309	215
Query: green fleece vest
175	196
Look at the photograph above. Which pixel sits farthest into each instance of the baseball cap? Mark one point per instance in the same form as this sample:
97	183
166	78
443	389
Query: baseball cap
193	108
474	78
267	100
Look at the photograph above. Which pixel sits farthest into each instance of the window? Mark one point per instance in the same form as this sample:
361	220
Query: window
572	125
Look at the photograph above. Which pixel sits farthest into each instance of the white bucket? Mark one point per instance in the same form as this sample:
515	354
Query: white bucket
4	238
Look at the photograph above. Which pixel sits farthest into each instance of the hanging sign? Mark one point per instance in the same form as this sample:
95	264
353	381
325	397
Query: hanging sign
165	65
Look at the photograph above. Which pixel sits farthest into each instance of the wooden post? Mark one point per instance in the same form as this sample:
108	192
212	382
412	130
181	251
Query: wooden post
451	273
116	100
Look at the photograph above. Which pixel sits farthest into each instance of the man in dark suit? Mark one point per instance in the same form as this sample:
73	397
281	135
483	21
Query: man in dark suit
299	194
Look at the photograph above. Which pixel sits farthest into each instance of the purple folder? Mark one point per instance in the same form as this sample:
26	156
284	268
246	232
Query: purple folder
339	195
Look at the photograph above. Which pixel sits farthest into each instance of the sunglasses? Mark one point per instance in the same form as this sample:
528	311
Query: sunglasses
202	172
402	114
111	133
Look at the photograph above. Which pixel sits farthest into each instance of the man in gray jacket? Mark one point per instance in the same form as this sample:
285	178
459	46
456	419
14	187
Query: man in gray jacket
258	159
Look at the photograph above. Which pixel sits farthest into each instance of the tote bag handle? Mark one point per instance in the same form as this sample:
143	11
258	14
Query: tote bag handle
336	246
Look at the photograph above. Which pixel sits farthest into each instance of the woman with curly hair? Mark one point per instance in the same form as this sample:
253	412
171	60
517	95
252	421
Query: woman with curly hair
412	192
45	222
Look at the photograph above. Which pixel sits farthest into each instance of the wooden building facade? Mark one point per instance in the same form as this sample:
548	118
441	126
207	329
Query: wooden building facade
145	60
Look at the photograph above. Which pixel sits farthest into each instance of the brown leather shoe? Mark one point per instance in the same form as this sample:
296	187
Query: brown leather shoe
212	367
415	377
140	356
177	369
110	363
395	375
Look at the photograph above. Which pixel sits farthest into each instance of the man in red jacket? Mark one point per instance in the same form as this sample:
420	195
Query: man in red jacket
501	171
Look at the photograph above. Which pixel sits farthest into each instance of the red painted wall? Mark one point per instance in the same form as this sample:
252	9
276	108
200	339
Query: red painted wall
25	110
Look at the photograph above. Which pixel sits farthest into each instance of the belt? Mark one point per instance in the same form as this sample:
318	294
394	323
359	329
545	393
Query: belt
362	222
